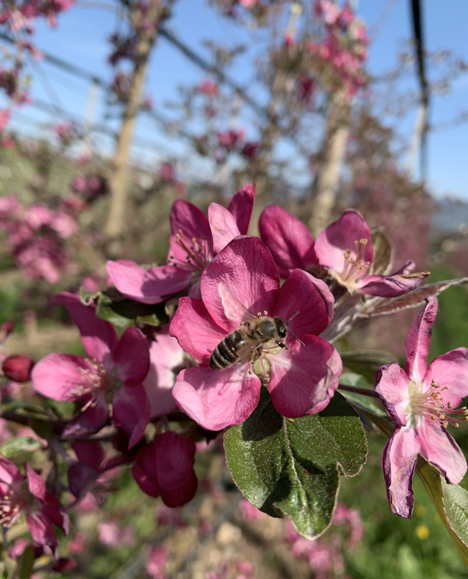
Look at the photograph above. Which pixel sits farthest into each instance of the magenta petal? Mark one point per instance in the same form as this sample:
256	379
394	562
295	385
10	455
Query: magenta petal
42	530
309	296
90	420
418	341
223	226
341	235
144	470
186	218
36	483
217	398
177	497
241	206
194	329
131	412
61	376
148	286
288	239
8	471
90	453
390	286
131	357
176	455
398	464
391	384
245	267
98	337
303	382
441	450
80	478
54	511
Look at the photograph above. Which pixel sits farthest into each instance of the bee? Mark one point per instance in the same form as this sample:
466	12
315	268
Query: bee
255	333
248	340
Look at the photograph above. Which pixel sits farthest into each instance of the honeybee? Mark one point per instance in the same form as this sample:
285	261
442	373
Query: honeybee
248	339
255	333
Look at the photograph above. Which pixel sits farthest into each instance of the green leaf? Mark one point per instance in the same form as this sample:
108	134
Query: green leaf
290	466
451	502
366	363
122	312
18	445
26	563
360	401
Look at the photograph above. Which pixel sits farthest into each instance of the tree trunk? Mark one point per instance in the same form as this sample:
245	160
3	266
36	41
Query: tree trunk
332	155
118	182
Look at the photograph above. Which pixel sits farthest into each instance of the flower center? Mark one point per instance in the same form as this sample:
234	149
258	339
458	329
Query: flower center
198	254
12	504
430	404
354	268
94	379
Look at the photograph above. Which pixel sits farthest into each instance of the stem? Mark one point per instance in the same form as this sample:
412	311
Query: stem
356	390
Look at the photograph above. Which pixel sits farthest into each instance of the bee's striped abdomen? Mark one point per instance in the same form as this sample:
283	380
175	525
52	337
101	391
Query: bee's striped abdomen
226	352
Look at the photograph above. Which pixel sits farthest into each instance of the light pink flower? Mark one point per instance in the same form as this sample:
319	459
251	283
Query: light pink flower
166	360
343	248
114	535
156	562
241	284
422	401
195	240
27	494
114	371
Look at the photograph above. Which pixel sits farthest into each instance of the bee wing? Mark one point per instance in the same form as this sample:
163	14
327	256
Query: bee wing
233	309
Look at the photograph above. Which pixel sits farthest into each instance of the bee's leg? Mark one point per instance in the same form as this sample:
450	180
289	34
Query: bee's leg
281	345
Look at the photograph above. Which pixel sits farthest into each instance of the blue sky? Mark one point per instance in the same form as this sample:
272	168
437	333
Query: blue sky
80	38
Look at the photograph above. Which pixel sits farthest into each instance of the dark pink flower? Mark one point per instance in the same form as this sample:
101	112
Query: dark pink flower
156	562
195	240
114	371
27	494
238	287
422	401
164	468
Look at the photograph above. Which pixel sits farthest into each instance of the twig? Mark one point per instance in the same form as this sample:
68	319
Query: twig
356	390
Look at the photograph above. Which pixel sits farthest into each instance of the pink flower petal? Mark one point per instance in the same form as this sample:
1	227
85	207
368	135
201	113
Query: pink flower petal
90	420
288	239
245	267
166	358
143	471
391	384
390	286
241	206
194	329
440	449
148	286
8	471
42	530
309	296
36	483
131	412
90	453
62	376
398	464
303	382
450	369
175	457
341	235
418	341
216	399
223	226
185	217
98	337
131	357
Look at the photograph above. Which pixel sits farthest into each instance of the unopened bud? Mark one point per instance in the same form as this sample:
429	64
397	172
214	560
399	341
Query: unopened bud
18	368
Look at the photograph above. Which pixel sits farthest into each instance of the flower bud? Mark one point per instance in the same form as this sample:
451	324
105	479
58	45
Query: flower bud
18	368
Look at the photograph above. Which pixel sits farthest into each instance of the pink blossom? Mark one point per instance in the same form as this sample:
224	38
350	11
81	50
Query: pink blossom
114	370
164	468
4	119
156	562
422	401
17	368
27	494
195	239
230	139
343	248
240	285
77	543
114	535
208	88
248	511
